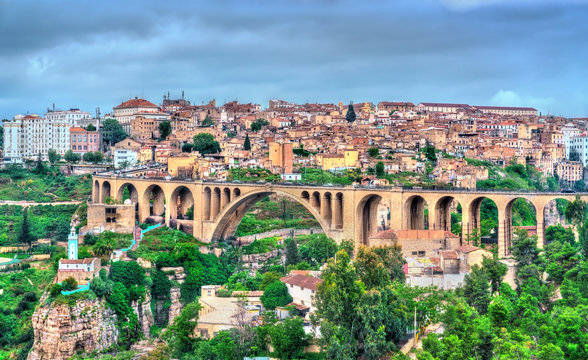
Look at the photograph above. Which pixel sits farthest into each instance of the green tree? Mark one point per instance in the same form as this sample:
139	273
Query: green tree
207	122
558	233
575	211
477	289
274	295
98	286
288	339
430	153
268	278
25	236
258	124
292	255
318	249
165	129
69	284
72	157
180	334
247	143
380	172
91	127
127	272
370	268
40	167
495	271
524	249
350	116
187	148
112	132
53	156
374	152
205	144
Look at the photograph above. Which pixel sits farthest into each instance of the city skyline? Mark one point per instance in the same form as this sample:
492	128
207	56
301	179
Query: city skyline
477	52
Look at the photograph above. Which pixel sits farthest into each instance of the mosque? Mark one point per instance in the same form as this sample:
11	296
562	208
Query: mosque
83	270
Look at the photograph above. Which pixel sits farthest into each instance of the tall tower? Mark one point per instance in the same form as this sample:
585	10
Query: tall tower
72	245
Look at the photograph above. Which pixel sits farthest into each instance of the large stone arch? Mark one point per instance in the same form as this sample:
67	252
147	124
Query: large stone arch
96	192
105	191
442	213
414	213
133	192
474	219
367	217
157	208
509	225
182	199
229	218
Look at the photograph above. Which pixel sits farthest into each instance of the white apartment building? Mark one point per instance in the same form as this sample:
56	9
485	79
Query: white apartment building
124	155
508	110
27	136
72	117
578	144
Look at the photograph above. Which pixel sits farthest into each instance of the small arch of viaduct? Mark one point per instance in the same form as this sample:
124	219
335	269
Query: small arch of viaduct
343	212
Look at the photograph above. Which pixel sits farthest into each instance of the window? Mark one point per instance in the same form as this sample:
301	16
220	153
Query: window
421	253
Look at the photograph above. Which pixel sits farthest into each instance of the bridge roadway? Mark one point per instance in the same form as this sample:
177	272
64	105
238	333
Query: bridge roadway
344	212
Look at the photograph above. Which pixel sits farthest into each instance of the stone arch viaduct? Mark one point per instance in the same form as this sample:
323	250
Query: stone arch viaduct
344	212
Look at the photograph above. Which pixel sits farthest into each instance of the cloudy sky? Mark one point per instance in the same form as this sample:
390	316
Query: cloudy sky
90	54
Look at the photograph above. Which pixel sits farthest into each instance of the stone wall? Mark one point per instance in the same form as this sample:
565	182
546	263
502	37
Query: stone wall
279	232
61	331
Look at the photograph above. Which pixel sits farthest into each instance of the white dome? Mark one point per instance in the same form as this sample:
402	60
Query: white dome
128	202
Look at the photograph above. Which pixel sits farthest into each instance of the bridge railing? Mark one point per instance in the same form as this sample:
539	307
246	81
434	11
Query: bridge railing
355	186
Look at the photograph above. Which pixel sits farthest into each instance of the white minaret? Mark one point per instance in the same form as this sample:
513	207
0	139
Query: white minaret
72	245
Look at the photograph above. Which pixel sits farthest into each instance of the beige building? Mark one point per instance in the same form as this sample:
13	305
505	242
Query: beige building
183	165
281	155
569	171
222	313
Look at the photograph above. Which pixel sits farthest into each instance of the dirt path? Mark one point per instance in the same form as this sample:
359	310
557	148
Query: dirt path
30	203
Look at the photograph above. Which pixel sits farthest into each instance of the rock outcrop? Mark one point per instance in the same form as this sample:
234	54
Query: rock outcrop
175	307
62	330
178	275
144	314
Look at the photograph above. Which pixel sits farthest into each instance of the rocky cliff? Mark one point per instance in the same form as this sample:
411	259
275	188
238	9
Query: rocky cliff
62	330
176	307
144	314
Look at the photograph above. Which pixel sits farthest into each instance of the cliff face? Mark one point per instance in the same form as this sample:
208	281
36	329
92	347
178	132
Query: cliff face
144	314
61	331
175	307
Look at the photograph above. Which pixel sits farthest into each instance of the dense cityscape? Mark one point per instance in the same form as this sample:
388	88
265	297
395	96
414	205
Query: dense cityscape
221	232
293	180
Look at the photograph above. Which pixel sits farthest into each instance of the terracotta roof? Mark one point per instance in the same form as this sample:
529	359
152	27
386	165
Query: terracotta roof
467	248
300	272
298	307
386	234
136	102
449	254
306	282
77	261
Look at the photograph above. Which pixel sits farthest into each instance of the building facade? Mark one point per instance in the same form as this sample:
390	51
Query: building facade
83	141
30	135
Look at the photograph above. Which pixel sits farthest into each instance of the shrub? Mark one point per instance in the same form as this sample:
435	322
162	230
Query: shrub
69	284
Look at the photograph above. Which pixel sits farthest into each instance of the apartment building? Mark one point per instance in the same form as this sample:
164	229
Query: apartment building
30	135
